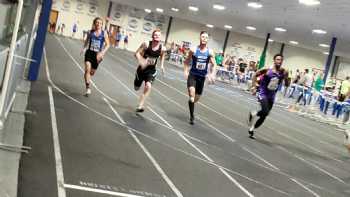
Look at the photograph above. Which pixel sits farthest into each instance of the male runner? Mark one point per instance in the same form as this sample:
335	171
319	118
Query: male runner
270	80
200	56
96	45
147	56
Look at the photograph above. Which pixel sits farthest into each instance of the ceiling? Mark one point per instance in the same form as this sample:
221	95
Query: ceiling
299	20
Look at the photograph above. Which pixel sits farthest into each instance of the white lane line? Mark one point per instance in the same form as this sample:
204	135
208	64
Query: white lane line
262	159
193	156
199	117
279	122
78	66
306	188
332	146
239	123
77	187
185	95
167	145
114	111
166	122
195	147
133	93
155	89
58	159
234	181
306	145
149	155
198	150
313	165
154	162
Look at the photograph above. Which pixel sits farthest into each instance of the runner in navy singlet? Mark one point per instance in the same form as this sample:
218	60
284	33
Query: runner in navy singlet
96	45
201	56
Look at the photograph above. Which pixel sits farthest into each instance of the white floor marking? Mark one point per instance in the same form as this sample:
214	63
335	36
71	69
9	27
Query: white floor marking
189	154
306	188
234	181
185	95
56	142
158	141
76	187
149	155
195	147
114	111
313	165
166	122
129	130
262	159
78	66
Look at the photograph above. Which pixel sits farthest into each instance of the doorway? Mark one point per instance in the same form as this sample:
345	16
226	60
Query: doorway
53	21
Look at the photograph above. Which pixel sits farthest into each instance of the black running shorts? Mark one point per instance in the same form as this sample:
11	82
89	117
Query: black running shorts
91	56
146	75
197	82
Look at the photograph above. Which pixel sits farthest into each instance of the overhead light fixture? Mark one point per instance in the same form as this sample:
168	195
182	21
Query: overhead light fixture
210	26
270	40
326	53
310	2
228	26
175	9
148	10
218	7
255	4
193	8
280	29
159	10
324	45
319	31
294	42
250	28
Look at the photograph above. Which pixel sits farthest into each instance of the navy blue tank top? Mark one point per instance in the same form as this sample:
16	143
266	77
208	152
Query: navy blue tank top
200	62
96	42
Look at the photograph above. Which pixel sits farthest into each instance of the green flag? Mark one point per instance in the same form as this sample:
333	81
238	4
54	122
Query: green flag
262	60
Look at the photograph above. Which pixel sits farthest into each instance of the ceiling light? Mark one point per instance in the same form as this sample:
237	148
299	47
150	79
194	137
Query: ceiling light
192	8
148	10
175	9
210	26
294	42
159	10
324	45
310	2
255	5
270	40
218	7
250	28
319	31
228	26
280	29
326	53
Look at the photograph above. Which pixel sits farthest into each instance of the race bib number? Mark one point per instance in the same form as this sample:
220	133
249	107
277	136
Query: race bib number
273	85
95	45
201	66
151	61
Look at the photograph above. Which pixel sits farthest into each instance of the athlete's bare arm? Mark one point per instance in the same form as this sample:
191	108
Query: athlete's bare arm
213	63
86	42
106	47
187	63
139	54
162	58
254	79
